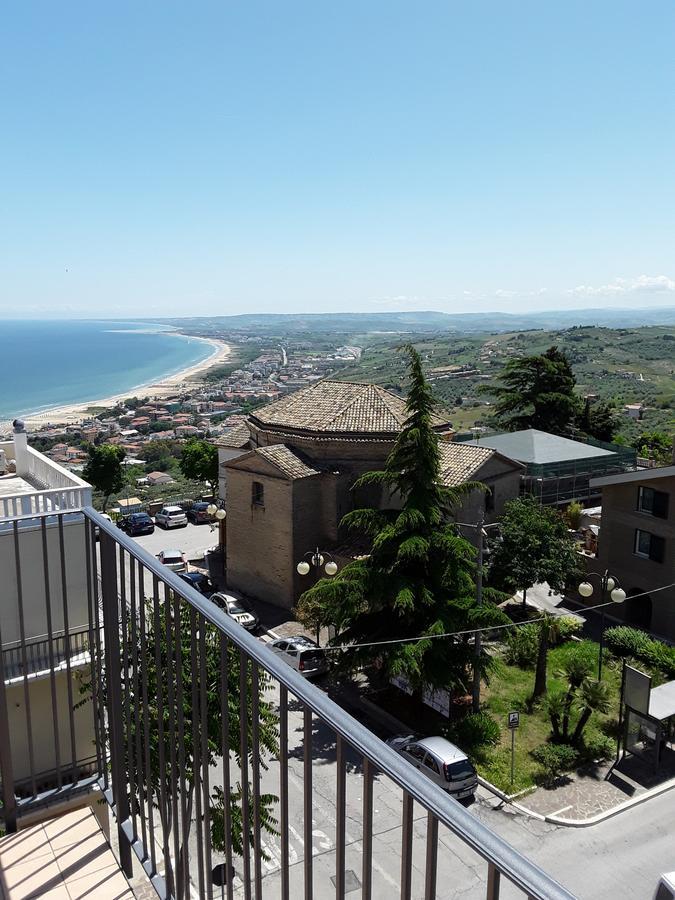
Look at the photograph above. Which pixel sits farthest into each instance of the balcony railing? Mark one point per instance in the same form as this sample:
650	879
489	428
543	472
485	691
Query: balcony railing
55	489
205	738
52	651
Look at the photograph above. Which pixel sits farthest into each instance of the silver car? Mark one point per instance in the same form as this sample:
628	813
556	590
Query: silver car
171	517
236	609
444	763
303	654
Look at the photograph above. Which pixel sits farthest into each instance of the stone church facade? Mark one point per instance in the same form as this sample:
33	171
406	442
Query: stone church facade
287	475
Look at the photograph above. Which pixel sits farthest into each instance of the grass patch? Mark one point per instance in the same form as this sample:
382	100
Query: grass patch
510	689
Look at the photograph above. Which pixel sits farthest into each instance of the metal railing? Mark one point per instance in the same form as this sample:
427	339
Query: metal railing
40	655
214	755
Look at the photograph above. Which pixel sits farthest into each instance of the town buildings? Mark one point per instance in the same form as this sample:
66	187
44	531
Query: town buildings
288	471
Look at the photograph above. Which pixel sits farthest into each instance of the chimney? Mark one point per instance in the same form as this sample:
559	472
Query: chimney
20	447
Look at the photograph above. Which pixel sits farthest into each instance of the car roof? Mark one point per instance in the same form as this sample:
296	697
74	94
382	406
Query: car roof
193	576
442	748
302	640
137	515
200	503
172	552
173	508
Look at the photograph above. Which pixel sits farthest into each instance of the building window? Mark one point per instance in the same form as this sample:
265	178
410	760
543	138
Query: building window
489	500
655	503
258	493
649	546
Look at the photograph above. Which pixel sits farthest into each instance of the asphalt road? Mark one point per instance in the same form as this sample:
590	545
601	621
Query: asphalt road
619	859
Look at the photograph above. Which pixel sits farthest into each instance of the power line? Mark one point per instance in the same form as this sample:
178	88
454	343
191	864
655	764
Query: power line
449	634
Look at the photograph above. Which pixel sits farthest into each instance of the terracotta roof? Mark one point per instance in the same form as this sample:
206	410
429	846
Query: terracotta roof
461	462
338	407
236	438
288	462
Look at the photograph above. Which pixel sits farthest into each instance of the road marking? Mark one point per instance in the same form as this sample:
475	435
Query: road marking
558	811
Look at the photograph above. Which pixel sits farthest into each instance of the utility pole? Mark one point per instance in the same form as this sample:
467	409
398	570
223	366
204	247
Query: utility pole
477	642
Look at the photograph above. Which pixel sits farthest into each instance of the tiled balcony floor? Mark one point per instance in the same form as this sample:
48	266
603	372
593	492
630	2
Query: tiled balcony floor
67	858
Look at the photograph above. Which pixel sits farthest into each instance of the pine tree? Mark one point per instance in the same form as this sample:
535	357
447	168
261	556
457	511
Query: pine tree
537	392
418	580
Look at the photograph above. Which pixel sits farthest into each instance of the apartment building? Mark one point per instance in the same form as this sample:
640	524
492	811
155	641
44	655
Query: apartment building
637	544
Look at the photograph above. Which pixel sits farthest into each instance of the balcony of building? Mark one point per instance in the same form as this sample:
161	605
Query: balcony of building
31	483
215	768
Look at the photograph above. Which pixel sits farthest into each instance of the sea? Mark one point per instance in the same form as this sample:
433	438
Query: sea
44	364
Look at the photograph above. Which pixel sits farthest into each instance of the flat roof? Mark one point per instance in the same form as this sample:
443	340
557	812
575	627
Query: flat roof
539	447
640	475
662	701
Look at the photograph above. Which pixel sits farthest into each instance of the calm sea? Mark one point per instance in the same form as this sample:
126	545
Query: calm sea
47	364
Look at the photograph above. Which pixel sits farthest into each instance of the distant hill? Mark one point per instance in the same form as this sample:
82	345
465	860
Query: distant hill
429	321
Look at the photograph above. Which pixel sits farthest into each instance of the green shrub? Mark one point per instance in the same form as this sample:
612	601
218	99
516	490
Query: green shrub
475	732
555	759
573	514
624	641
522	644
597	747
568	626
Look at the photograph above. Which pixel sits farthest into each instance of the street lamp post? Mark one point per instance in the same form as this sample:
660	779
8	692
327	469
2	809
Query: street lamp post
608	583
317	560
217	511
481	527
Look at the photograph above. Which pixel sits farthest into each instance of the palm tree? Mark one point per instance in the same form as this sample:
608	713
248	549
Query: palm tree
594	698
576	671
555	709
549	632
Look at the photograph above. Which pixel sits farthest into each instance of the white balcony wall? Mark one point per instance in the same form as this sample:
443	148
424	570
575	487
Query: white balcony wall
31	572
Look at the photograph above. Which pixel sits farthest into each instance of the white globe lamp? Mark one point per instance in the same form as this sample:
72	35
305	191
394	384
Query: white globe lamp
586	589
331	567
618	595
303	568
220	514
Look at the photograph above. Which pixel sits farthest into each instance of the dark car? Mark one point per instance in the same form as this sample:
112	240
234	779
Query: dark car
137	523
199	582
198	514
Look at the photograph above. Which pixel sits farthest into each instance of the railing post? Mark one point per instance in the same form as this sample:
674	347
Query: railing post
6	769
113	676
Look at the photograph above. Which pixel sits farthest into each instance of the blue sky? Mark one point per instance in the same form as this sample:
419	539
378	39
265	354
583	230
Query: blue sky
216	158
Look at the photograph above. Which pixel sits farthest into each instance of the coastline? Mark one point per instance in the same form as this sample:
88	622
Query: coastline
74	413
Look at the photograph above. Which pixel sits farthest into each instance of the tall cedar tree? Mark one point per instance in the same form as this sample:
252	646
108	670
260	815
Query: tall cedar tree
537	392
419	578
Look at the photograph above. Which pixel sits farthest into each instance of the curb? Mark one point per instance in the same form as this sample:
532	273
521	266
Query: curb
575	823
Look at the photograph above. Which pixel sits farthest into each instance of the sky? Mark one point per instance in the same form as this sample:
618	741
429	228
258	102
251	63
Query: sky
214	158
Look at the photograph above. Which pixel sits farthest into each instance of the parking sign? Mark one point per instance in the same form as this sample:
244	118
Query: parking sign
514	719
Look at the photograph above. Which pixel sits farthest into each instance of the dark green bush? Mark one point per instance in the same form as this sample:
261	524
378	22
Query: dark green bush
521	646
555	759
597	747
477	730
624	641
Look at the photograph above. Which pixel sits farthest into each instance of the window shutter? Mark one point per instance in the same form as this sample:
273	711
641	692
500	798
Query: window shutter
660	507
657	548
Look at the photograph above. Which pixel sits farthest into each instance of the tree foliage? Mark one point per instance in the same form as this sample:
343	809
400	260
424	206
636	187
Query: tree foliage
199	462
178	755
537	392
535	547
103	469
657	445
598	420
418	580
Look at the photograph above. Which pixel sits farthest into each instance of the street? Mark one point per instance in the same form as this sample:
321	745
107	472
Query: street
621	857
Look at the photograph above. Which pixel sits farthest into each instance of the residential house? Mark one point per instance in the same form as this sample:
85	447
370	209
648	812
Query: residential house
637	544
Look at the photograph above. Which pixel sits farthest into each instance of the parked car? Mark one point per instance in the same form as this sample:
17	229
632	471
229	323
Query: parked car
303	654
666	887
171	517
173	559
199	582
236	609
444	763
198	515
136	523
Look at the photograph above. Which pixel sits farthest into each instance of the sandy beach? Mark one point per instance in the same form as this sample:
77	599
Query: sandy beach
173	384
